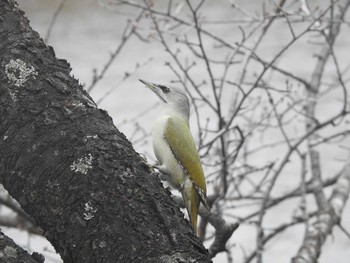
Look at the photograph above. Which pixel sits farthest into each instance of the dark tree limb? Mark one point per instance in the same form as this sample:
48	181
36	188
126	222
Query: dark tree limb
223	233
10	252
69	167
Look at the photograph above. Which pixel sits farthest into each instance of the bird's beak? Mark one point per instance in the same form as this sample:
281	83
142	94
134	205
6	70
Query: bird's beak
154	87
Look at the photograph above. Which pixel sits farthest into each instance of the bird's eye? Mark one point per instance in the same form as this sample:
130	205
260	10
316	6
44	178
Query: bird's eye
164	89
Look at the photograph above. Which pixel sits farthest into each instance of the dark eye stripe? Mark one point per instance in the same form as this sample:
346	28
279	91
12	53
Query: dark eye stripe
164	89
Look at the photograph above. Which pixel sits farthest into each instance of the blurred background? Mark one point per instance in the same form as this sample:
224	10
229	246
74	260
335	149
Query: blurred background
268	85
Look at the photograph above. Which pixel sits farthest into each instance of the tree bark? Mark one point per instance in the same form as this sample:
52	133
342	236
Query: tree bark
69	167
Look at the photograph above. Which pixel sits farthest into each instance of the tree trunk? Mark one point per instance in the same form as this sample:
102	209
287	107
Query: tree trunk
69	167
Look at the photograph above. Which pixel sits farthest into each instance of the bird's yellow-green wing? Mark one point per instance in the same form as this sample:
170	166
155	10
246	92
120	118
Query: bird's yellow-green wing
177	134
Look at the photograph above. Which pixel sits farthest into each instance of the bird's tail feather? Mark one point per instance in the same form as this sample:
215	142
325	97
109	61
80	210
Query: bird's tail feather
203	197
191	199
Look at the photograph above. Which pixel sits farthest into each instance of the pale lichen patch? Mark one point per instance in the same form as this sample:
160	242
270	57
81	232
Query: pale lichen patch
13	95
89	211
90	137
77	104
82	165
18	72
10	251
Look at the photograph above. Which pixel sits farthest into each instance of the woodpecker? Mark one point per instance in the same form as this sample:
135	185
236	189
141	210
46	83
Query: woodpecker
176	151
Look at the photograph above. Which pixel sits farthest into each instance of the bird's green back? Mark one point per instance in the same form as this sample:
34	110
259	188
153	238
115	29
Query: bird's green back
178	135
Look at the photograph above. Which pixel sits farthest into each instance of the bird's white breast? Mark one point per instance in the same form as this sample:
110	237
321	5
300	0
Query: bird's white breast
163	152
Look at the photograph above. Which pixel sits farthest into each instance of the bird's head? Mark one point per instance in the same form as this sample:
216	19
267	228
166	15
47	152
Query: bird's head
174	99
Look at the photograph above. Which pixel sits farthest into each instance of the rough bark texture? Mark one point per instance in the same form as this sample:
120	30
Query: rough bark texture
71	169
